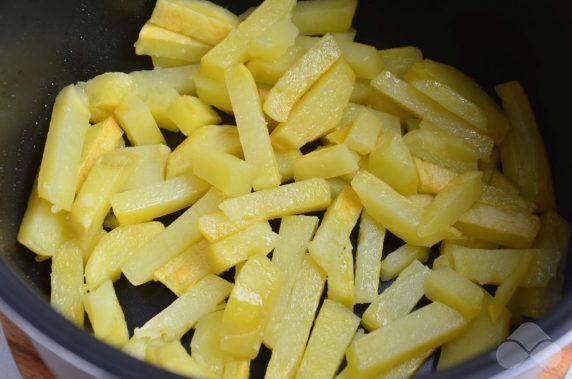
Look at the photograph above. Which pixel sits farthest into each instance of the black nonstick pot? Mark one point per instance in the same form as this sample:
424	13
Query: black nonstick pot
45	45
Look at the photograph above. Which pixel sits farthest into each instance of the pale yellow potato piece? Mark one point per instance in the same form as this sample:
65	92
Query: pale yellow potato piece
453	289
398	60
289	347
337	136
99	139
363	133
212	91
256	287
397	300
179	78
105	92
66	282
159	102
148	164
431	144
291	246
179	235
406	369
162	62
507	288
300	197
105	315
237	369
384	103
421	200
213	137
252	128
324	16
173	357
432	178
368	259
270	71
481	334
425	108
318	111
424	329
333	331
186	269
329	245
400	259
361	92
203	20
159	42
285	162
300	77
454	102
500	181
41	230
258	239
493	266
216	226
93	201
182	314
390	209
554	234
499	225
497	124
392	162
114	248
137	121
363	59
234	48
205	344
327	162
227	173
523	155
348	35
450	203
388	121
189	113
494	196
274	43
61	159
151	202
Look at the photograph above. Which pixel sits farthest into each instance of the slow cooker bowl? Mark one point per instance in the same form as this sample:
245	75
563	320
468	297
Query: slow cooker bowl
46	45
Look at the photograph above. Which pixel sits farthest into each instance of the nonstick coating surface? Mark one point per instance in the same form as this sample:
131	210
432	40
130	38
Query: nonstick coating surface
45	45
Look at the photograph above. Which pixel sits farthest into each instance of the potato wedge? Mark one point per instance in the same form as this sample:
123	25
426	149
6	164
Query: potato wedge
324	16
67	290
289	347
397	300
252	128
300	197
186	269
523	155
182	314
333	331
256	287
368	259
59	170
105	315
423	329
300	77
319	111
288	256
